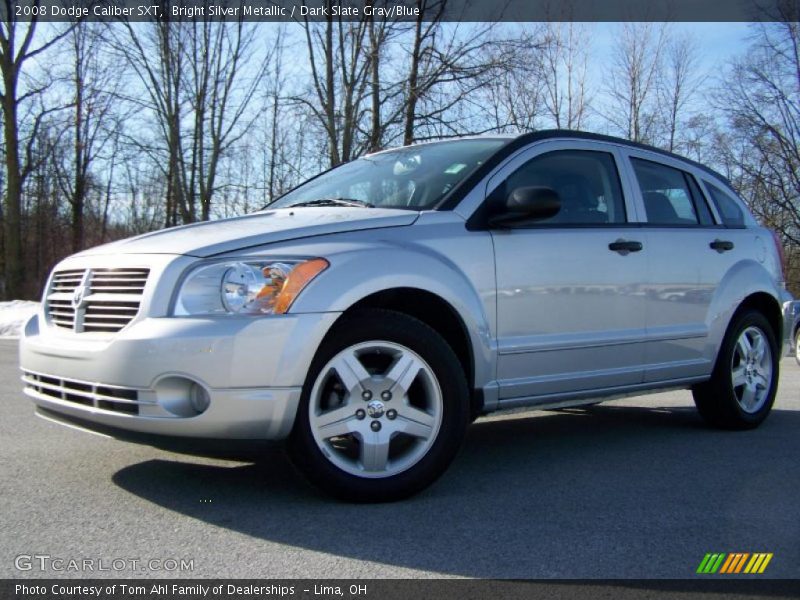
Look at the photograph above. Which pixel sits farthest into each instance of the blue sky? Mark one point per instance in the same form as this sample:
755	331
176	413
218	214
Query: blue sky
716	41
716	44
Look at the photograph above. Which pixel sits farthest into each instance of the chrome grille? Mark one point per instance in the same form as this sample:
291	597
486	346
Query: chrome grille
95	300
109	316
118	281
61	313
67	281
105	397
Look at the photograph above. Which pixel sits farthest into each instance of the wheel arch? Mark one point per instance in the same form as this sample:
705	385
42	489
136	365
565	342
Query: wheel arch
439	315
717	399
765	304
746	286
768	306
424	284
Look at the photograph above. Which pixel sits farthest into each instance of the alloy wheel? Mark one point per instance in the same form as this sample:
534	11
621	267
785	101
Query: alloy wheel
375	409
751	369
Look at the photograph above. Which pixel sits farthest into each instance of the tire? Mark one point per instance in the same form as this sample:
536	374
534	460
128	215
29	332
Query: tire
749	356
384	446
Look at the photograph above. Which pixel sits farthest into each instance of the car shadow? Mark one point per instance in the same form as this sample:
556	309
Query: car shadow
576	493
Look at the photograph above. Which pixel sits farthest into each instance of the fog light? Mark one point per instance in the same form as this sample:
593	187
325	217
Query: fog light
181	396
199	398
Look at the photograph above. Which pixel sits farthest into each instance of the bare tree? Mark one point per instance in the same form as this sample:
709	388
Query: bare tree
274	102
94	121
340	61
564	59
45	229
221	95
679	82
378	36
447	64
761	99
203	77
19	44
377	81
208	119
155	53
142	187
512	100
633	80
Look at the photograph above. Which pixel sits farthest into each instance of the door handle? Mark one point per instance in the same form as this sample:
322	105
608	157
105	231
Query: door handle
625	246
721	245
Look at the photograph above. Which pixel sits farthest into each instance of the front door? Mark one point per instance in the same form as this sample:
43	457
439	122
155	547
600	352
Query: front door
570	303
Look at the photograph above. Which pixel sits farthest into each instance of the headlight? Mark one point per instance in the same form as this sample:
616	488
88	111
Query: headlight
248	287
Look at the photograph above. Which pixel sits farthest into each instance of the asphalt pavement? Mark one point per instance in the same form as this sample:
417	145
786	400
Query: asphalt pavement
634	488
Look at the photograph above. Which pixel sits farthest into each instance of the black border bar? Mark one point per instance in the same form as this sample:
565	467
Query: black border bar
391	589
405	10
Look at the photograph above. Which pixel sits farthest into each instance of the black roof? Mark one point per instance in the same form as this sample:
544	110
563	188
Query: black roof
458	193
544	134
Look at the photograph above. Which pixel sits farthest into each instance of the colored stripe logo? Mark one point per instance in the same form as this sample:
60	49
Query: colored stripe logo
731	563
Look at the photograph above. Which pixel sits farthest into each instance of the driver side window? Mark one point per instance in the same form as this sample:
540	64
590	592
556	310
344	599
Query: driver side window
586	182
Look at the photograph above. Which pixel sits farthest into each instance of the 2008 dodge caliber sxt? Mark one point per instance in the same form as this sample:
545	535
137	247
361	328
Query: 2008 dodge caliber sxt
369	315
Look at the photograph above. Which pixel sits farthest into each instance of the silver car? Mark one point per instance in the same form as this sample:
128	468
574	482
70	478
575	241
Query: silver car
370	314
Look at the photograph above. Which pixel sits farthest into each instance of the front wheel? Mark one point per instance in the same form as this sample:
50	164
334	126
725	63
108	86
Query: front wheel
742	387
383	410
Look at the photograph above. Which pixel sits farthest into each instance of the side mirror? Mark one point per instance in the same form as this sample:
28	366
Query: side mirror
527	204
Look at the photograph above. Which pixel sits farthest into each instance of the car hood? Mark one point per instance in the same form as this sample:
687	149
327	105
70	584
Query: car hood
217	237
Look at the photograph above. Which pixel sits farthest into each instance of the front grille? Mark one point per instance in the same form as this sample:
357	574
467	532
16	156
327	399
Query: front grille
95	300
119	281
61	313
110	398
67	281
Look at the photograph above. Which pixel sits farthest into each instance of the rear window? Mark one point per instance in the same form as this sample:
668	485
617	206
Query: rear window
668	194
699	201
729	210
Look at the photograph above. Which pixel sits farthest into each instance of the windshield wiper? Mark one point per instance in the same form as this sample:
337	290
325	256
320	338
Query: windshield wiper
334	202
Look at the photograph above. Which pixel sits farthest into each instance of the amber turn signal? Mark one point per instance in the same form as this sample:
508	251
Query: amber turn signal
299	277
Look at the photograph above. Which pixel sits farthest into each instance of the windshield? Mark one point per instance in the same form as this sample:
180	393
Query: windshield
413	178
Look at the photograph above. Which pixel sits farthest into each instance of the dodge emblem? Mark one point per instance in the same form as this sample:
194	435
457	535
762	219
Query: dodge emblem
375	409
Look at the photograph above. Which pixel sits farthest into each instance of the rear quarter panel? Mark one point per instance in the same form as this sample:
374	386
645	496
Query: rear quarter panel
758	273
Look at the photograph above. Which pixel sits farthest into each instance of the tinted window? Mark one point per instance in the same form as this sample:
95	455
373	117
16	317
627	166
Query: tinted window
667	196
699	201
587	184
728	208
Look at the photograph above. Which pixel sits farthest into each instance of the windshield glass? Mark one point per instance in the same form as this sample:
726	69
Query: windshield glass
413	178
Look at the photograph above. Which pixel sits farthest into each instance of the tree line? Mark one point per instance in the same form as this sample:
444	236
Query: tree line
113	129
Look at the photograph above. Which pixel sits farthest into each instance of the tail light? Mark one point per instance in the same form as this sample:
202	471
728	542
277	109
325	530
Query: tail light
781	254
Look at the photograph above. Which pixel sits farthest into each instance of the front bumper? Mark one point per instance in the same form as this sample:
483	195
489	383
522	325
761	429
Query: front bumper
250	370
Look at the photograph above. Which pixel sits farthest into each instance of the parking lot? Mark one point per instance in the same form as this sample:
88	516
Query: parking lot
635	488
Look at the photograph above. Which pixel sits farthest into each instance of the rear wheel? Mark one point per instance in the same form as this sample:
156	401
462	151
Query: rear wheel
383	411
742	388
797	345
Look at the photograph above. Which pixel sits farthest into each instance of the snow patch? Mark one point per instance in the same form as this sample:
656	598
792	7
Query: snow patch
13	316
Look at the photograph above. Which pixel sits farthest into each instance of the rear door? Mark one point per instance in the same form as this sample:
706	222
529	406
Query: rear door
689	252
570	302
